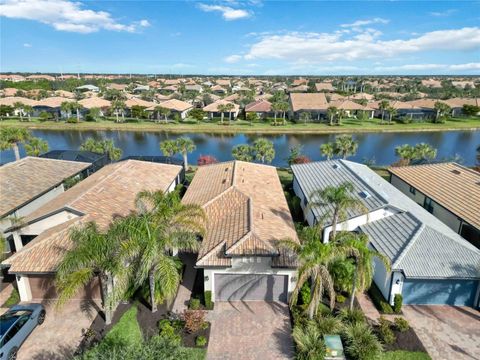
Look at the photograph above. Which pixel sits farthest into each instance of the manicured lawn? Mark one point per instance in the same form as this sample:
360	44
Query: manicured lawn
404	355
286	177
242	126
126	331
13	299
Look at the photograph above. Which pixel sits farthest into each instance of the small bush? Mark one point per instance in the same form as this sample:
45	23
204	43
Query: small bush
90	118
305	294
401	324
397	303
167	331
385	331
351	317
194	304
208	300
309	342
340	299
71	121
379	301
201	341
362	344
45	116
328	325
194	320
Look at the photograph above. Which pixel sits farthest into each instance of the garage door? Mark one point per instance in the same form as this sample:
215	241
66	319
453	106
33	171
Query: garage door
440	292
43	287
250	287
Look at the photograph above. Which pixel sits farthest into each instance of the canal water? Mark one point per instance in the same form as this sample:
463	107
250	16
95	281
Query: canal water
375	148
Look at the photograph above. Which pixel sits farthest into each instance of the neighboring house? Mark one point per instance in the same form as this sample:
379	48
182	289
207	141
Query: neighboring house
194	87
218	90
213	111
96	102
52	105
247	216
97	161
101	197
324	87
352	108
298	89
88	87
262	107
314	103
29	183
431	264
449	191
175	106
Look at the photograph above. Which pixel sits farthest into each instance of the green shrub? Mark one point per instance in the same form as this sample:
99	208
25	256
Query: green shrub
309	342
401	324
305	295
201	341
167	331
194	304
379	301
397	303
45	116
208	300
71	120
13	299
340	298
90	118
385	331
328	325
351	317
361	343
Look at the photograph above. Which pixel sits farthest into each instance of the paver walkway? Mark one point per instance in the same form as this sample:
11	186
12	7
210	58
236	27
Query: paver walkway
185	289
250	330
447	332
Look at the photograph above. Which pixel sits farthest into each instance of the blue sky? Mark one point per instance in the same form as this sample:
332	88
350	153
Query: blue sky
241	37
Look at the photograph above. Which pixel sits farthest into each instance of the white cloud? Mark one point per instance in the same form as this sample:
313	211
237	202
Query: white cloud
443	13
182	66
65	15
359	23
233	58
420	67
228	13
318	48
27	45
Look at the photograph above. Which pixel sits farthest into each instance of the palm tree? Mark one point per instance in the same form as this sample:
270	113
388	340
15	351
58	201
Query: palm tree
406	152
384	105
341	114
263	150
341	199
66	107
77	107
305	117
169	147
424	152
161	111
327	150
103	146
94	112
94	254
283	106
391	113
332	111
314	259
442	110
364	256
10	138
229	107
275	108
242	152
185	145
222	108
161	226
36	146
345	146
19	106
28	110
119	106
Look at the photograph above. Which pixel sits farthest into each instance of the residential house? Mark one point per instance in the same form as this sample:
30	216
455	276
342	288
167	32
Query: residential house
218	90
28	184
89	87
96	102
103	196
263	108
432	83
299	82
298	89
239	253
430	263
451	192
314	103
352	109
40	77
324	87
213	111
175	106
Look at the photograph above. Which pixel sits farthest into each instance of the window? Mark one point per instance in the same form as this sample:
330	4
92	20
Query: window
428	205
412	190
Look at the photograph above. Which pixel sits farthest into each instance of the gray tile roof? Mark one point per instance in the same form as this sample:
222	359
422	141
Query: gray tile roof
318	175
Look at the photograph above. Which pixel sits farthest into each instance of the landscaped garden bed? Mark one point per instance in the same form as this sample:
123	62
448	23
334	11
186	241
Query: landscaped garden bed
200	299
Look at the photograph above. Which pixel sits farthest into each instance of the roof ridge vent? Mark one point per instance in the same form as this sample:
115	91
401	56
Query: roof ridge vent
457	172
365	194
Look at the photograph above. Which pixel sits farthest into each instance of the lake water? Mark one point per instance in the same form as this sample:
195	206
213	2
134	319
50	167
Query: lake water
372	146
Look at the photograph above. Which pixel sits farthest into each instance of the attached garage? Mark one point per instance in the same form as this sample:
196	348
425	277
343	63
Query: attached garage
440	292
250	287
43	287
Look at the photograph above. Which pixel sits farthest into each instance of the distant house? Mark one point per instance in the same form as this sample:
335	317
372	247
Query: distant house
239	253
299	82
106	194
194	87
89	87
263	108
430	263
175	106
352	108
37	77
141	89
96	102
97	161
314	103
52	105
28	184
324	87
449	191
213	111
218	90
299	89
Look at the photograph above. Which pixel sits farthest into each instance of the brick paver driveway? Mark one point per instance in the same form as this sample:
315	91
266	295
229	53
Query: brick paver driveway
59	336
447	332
250	330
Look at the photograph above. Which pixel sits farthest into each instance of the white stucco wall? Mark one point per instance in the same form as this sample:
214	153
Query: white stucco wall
40	226
249	265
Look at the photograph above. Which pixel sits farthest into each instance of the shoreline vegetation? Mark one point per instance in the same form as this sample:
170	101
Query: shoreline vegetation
242	126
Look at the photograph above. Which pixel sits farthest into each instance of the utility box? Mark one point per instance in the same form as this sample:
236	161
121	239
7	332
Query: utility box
334	347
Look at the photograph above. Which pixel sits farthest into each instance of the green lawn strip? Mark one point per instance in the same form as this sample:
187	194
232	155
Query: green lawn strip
404	355
13	299
126	331
241	126
194	353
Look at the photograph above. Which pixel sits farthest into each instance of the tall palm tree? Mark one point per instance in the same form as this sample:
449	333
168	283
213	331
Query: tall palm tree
66	107
10	138
332	111
104	146
341	199
94	254
161	226
405	152
425	152
119	106
345	145
263	150
229	107
28	110
77	107
185	145
36	146
305	117
283	106
242	152
19	106
341	114
363	256
222	108
168	147
391	113
327	150
275	108
314	259
384	105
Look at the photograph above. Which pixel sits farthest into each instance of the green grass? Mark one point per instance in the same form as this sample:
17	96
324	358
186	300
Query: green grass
242	126
13	299
195	353
404	355
383	172
126	331
286	177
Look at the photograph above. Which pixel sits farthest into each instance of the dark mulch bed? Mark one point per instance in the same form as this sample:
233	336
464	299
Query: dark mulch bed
406	341
188	340
147	320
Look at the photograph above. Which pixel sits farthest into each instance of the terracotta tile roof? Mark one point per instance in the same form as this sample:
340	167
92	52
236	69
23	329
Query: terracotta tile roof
309	101
453	186
324	86
173	104
13	99
95	102
213	107
259	106
246	210
65	94
348	105
108	193
23	180
139	102
53	102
